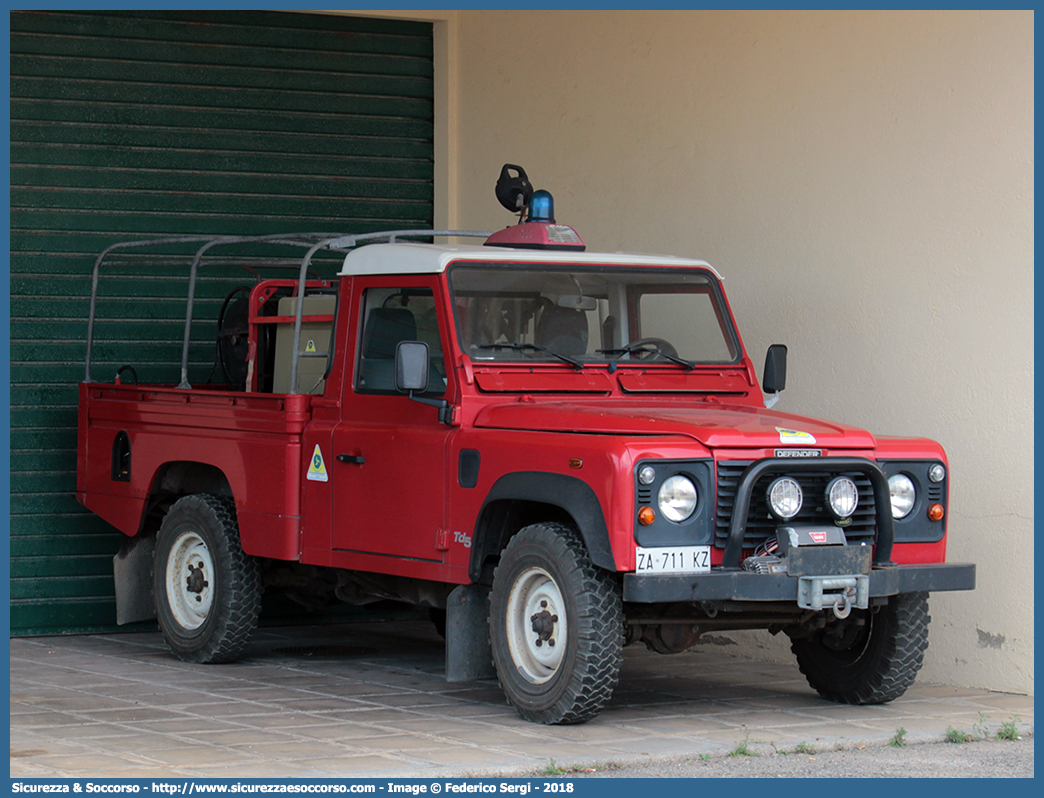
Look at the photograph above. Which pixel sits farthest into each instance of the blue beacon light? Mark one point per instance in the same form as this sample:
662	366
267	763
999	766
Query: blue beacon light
541	207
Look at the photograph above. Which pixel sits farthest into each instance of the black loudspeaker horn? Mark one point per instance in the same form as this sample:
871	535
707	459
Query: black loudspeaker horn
514	191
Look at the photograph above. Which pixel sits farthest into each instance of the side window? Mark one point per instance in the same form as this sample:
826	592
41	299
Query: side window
390	316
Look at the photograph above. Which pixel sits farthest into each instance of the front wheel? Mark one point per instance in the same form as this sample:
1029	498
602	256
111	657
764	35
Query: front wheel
556	627
873	662
208	591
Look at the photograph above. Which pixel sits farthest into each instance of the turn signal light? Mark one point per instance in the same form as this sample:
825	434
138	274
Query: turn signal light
646	516
936	512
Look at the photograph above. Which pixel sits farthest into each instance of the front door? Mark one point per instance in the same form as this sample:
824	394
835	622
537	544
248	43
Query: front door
389	452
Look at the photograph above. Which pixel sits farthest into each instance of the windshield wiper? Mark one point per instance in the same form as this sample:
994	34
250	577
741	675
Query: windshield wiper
535	348
652	350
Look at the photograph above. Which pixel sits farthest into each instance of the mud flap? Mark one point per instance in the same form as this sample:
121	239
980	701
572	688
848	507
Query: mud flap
132	569
468	652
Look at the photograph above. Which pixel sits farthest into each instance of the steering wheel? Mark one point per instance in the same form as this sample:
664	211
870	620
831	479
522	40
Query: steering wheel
659	343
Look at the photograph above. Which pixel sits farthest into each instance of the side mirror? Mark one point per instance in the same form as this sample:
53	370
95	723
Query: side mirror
411	366
411	375
774	378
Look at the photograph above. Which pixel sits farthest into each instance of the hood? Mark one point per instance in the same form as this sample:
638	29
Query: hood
714	425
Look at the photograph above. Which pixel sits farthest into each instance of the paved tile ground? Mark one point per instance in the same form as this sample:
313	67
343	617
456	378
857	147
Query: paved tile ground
369	699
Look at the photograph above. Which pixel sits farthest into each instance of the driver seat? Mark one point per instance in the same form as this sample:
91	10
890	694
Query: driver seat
562	330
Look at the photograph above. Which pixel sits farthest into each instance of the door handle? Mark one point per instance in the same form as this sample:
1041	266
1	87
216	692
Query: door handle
357	459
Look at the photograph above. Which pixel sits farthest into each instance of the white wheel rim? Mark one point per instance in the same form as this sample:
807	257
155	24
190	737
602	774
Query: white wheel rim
536	625
190	580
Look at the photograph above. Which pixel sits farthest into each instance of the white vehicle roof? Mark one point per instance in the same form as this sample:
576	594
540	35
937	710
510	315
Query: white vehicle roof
434	258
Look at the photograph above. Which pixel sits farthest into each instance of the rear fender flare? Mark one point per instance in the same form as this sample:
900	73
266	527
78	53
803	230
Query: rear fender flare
172	480
570	494
132	566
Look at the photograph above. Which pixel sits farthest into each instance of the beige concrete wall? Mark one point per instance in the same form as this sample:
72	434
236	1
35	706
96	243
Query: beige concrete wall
864	182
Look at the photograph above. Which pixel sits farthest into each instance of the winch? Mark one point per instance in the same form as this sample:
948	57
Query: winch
831	574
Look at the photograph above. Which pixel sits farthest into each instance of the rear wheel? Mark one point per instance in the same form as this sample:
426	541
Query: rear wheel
556	627
873	663
208	591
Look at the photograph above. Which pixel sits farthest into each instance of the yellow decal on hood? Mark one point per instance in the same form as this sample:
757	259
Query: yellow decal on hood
794	436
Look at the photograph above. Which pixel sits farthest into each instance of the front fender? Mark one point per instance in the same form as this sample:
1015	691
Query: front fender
570	494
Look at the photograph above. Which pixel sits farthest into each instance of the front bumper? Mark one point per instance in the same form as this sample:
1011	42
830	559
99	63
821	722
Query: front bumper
885	580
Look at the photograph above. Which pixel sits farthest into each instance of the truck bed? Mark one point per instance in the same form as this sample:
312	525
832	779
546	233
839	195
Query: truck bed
214	435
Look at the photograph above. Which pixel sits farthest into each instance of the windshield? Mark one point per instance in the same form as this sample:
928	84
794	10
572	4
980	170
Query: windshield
528	312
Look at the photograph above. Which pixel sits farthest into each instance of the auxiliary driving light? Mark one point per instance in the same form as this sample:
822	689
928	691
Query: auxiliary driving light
842	497
784	498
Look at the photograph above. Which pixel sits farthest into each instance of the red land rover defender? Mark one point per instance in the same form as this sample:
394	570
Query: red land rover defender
564	452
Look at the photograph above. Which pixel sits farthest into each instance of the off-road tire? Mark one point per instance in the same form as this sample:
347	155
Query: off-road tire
571	684
880	664
208	591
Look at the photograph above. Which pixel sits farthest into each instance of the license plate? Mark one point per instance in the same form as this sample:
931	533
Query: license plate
673	560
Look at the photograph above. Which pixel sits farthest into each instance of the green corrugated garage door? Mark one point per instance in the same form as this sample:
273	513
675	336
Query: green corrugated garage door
134	125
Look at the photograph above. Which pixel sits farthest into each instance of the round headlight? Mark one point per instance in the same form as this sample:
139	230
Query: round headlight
937	473
784	498
646	474
842	497
901	488
677	498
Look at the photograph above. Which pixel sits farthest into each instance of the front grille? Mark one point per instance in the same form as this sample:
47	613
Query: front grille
761	525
